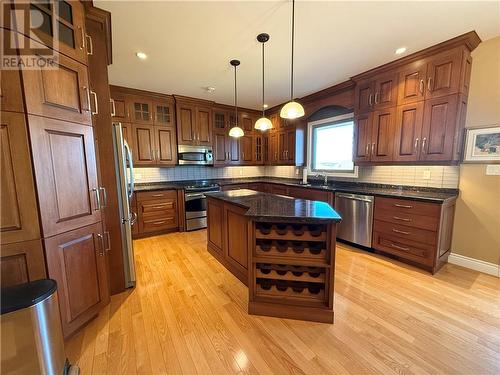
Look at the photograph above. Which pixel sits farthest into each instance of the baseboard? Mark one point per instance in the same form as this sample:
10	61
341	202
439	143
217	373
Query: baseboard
475	264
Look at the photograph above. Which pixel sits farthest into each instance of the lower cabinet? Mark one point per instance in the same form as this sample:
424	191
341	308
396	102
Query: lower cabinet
157	211
76	260
22	262
419	232
228	236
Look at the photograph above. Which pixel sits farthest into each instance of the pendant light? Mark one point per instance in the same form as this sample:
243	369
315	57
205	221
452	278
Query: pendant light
235	131
292	110
263	123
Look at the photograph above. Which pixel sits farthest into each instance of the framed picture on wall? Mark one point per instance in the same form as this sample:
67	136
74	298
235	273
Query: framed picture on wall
482	145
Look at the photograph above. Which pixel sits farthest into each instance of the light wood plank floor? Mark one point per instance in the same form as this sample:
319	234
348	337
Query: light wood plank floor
187	315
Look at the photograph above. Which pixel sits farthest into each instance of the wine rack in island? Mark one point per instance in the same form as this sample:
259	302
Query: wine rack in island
292	270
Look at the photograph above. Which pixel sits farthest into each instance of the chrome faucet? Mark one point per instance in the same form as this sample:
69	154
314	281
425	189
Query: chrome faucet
325	177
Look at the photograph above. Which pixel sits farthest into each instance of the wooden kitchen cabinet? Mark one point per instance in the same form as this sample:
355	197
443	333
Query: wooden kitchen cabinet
382	135
385	90
22	262
141	110
157	212
165	144
412	81
11	98
203	126
362	137
258	149
144	144
194	123
444	73
246	144
19	213
65	173
408	135
119	106
163	113
62	93
363	96
76	261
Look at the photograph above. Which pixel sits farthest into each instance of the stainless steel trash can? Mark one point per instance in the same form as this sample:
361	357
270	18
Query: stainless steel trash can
32	340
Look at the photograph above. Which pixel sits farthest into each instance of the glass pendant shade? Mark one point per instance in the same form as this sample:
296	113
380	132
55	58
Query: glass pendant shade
292	110
236	132
263	124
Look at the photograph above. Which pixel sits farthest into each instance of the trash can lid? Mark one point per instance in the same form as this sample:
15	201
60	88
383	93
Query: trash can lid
20	296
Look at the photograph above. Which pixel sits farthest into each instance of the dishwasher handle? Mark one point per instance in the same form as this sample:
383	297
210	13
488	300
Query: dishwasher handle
355	197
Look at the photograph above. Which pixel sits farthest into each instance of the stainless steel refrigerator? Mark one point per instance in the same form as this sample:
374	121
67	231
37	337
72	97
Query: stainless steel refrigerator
125	181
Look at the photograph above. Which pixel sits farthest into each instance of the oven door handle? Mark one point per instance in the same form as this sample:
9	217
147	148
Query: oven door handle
192	196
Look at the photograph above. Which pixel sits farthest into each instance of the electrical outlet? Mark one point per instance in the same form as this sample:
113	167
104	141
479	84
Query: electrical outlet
426	175
297	171
493	170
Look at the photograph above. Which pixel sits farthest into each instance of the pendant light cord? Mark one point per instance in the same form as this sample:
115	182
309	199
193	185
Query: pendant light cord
293	35
263	100
235	98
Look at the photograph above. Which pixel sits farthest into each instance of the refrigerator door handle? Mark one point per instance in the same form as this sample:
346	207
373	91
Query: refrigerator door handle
131	182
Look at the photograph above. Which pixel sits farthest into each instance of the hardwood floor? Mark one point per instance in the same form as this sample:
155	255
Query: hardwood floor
187	315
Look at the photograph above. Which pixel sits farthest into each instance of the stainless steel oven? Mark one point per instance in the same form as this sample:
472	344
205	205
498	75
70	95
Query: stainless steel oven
197	155
195	205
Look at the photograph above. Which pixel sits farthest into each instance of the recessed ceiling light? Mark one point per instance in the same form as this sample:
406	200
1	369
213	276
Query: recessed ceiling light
141	55
400	50
265	106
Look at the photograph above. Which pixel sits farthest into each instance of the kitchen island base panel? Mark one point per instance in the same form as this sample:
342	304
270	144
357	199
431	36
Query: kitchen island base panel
311	314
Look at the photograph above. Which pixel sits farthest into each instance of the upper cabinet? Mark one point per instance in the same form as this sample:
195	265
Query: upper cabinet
413	110
62	27
163	113
194	122
141	110
119	106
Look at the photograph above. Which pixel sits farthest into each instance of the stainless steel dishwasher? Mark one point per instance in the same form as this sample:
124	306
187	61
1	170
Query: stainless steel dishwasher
357	218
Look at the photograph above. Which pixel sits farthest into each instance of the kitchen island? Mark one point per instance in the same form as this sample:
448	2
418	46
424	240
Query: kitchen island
282	248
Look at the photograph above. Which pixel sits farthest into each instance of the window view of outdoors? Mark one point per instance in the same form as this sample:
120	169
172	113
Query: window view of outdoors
332	147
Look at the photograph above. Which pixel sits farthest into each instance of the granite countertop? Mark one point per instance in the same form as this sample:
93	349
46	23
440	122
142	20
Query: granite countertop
266	206
404	192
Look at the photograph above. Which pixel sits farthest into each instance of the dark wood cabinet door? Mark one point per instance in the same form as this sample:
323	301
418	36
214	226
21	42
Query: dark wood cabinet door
364	93
386	90
439	128
282	147
11	98
247	123
215	212
165	145
290	146
144	144
443	74
409	119
221	121
204	126
163	113
382	136
236	237
62	93
186	124
19	213
67	17
412	78
22	262
141	110
234	146
119	107
220	148
273	148
258	149
362	137
127	132
275	120
66	174
246	149
76	260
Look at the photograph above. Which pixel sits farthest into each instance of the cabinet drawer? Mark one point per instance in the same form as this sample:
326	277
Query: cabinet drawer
155	222
405	206
406	219
158	206
156	195
405	232
412	250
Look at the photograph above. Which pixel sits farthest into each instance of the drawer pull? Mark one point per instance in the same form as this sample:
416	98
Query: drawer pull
400	218
157	195
402	205
159	222
400	247
399	231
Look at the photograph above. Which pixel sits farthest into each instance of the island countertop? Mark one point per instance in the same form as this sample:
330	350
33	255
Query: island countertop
266	206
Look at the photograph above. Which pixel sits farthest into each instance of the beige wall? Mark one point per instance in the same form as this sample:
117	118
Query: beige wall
476	233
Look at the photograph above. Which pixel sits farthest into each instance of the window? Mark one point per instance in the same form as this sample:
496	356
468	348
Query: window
331	146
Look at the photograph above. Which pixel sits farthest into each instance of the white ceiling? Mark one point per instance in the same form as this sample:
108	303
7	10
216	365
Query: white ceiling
189	44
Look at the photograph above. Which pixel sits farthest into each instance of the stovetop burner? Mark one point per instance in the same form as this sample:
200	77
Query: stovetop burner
202	186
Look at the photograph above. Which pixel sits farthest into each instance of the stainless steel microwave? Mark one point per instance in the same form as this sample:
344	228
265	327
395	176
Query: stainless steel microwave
197	155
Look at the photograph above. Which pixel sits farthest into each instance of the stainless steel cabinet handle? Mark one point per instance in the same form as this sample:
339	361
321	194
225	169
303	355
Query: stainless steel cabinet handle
160	222
133	218
376	97
367	149
101	240
87	94
113	107
401	218
400	247
157	195
421	86
229	155
108	241
94	96
399	231
82	45
97	199
370	100
105	196
243	154
424	140
276	155
402	205
416	143
90	50
429	83
373	148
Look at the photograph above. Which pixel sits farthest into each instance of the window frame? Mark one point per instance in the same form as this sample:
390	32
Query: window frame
330	121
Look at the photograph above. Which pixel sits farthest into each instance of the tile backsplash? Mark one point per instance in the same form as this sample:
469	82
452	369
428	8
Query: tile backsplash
426	176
